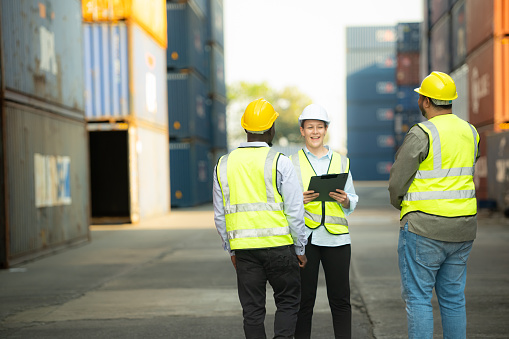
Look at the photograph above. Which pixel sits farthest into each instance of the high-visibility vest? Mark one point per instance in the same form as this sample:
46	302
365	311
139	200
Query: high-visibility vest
252	204
328	213
443	184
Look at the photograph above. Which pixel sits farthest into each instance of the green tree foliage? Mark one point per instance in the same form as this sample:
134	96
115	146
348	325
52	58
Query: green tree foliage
288	102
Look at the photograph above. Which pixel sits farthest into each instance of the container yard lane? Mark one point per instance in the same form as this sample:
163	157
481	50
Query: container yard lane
168	277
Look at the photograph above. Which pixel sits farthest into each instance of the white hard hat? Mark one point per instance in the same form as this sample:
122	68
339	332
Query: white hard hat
314	112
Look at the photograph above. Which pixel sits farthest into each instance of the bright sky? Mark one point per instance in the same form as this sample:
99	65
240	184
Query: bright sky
302	43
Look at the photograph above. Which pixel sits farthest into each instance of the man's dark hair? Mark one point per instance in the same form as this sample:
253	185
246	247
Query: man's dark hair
439	107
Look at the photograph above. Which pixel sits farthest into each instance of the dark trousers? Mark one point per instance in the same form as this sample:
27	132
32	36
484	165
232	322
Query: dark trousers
336	266
279	266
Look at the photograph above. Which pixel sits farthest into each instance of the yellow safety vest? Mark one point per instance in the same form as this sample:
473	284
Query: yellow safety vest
328	213
252	204
443	184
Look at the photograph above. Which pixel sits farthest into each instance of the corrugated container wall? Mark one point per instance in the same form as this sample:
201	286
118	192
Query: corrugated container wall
374	167
218	118
191	181
187	113
440	42
47	178
186	38
359	60
460	105
437	9
369	142
217	80
370	115
378	37
366	86
459	34
215	26
409	37
42	53
150	15
498	169
406	99
407	69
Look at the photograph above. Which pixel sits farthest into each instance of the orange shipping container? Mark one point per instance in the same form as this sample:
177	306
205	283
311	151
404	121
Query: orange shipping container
150	15
407	69
489	84
486	18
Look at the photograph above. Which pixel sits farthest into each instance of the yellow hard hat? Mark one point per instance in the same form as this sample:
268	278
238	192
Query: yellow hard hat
259	116
438	86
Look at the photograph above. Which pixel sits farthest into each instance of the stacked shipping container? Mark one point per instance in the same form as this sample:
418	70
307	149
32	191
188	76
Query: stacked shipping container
407	79
478	60
126	109
44	177
196	97
371	99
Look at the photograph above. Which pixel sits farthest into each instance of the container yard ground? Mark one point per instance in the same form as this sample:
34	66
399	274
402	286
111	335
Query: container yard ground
169	278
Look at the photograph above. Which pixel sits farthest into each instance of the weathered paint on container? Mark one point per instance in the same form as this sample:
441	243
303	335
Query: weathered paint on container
218	123
376	37
215	22
370	115
489	83
485	19
124	74
42	54
359	60
409	37
440	46
459	34
47	183
371	167
498	169
186	38
406	98
367	86
460	105
106	71
217	80
150	15
153	172
190	173
188	116
437	9
407	70
364	141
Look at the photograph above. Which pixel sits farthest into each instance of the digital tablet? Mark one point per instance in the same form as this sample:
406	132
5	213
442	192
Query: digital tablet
324	184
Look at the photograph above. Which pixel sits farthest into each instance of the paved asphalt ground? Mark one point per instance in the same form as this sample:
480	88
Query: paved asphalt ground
169	278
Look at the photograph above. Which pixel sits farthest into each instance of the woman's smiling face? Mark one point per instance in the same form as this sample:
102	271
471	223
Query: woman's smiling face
314	132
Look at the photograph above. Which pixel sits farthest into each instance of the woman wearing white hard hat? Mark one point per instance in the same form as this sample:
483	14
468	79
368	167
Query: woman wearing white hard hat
327	227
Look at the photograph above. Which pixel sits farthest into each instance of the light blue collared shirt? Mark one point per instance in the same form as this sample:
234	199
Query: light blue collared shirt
322	237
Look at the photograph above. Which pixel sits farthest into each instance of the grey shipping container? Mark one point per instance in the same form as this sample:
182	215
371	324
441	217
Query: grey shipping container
459	34
409	37
440	46
376	37
46	176
498	169
359	60
42	56
188	116
190	173
460	106
186	38
215	27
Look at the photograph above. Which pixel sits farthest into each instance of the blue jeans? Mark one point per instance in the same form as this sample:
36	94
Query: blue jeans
425	264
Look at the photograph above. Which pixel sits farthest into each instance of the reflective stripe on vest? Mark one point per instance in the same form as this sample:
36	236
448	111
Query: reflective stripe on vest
249	215
427	193
334	219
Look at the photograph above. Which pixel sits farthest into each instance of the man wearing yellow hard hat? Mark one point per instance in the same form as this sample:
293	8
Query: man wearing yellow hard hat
259	214
431	182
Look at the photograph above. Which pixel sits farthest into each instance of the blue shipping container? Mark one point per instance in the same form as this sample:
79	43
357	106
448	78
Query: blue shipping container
106	71
42	54
187	113
217	82
366	86
459	35
218	123
371	167
371	115
360	60
186	38
375	141
409	37
377	37
215	29
190	173
406	98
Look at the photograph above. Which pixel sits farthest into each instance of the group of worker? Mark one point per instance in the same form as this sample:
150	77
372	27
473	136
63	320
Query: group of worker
277	230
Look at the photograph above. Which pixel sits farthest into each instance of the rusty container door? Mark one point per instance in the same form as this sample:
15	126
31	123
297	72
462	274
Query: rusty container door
42	54
47	182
